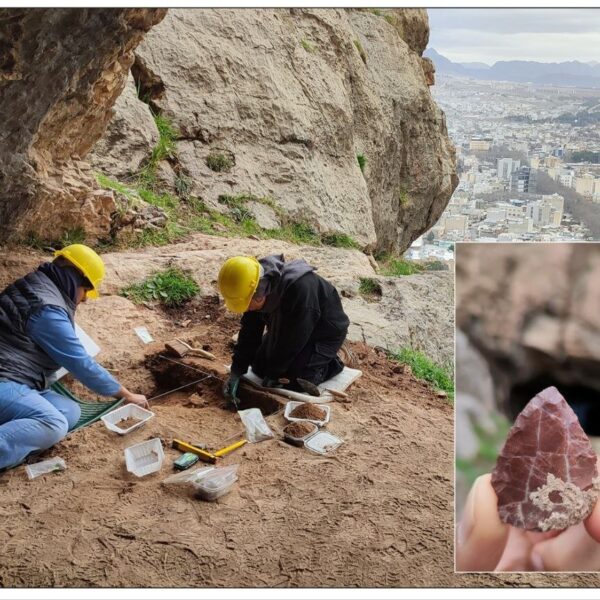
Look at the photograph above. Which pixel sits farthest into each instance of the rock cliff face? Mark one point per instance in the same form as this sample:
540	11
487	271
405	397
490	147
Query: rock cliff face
292	98
61	71
532	310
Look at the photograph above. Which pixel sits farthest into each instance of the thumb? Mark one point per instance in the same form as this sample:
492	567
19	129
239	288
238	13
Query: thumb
480	536
592	523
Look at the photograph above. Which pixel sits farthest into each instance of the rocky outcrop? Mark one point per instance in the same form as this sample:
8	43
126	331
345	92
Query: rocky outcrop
532	311
129	138
414	311
61	71
292	97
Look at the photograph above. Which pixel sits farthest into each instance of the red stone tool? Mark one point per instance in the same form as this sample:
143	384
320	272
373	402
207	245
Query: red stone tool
546	475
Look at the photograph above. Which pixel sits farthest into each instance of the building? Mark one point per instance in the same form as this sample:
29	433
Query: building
458	223
480	144
584	185
506	167
523	181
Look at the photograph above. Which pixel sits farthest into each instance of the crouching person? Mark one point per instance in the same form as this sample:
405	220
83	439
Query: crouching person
37	337
301	312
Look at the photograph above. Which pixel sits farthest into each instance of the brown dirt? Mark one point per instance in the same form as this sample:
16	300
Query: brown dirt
308	411
127	423
299	430
378	511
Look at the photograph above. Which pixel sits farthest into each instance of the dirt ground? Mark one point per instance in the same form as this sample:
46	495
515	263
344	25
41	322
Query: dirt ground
378	511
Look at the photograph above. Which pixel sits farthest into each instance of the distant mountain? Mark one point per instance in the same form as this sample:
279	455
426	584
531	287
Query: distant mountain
572	73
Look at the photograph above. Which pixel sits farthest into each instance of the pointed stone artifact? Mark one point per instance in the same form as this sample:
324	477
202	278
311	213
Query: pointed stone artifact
546	476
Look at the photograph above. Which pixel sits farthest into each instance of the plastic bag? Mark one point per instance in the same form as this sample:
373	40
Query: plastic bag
257	429
216	483
45	466
187	477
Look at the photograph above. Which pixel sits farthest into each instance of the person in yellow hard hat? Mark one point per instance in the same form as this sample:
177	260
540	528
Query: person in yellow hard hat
301	312
37	337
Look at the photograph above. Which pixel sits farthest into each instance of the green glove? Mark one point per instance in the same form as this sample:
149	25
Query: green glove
230	388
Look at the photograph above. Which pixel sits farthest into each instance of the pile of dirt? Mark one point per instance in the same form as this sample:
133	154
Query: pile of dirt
308	411
299	429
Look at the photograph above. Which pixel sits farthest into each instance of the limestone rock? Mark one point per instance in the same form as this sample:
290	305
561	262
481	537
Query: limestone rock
264	215
129	138
546	471
64	71
532	311
289	94
414	311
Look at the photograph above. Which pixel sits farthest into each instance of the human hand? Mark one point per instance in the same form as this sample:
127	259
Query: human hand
484	543
132	398
230	388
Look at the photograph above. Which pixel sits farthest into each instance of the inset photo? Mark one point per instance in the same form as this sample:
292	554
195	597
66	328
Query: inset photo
527	407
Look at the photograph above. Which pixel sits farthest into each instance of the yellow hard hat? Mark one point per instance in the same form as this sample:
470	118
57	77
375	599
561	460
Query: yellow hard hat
88	262
238	280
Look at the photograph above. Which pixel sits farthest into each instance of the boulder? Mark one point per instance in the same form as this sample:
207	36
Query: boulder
295	95
129	138
61	73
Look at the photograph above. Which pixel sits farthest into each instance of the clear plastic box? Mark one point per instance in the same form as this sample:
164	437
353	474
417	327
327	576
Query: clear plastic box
45	466
216	482
145	458
129	411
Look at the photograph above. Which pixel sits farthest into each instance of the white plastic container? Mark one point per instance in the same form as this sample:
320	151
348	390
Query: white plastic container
132	411
45	466
292	404
145	458
322	442
299	441
216	482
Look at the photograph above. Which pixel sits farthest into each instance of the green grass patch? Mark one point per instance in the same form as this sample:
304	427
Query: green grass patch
375	11
112	184
403	198
166	148
369	288
339	240
72	236
218	162
424	368
362	162
391	19
171	287
307	46
398	267
361	51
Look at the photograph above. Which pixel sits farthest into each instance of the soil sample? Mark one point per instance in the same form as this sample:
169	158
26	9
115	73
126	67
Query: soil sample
127	423
308	411
299	429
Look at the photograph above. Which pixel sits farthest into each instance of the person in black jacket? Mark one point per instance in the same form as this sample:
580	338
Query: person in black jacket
293	323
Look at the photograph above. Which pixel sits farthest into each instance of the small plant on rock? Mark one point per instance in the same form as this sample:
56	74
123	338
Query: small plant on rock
369	288
171	287
339	240
362	162
307	46
361	51
218	162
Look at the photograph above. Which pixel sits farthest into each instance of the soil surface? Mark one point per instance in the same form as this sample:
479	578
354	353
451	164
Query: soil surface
299	430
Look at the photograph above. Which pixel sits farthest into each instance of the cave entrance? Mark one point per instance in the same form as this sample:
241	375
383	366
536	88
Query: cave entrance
584	400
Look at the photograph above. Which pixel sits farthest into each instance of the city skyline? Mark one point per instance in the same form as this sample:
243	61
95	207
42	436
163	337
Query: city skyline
489	35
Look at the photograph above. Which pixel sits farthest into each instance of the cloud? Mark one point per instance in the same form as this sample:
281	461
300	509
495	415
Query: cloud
488	35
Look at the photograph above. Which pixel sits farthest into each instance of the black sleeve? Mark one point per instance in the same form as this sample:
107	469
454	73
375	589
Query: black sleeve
300	314
249	340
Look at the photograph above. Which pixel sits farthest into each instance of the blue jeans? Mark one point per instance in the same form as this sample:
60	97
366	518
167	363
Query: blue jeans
32	421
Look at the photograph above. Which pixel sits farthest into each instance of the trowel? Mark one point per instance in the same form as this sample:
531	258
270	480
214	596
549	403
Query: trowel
314	390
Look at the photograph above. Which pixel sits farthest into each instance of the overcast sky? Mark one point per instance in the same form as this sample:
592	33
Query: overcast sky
488	35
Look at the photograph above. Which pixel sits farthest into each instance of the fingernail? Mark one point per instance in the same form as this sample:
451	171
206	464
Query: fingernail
537	562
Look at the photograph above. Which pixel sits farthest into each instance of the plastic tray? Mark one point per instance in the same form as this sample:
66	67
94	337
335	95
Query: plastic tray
299	441
124	412
291	405
322	442
145	458
45	466
216	483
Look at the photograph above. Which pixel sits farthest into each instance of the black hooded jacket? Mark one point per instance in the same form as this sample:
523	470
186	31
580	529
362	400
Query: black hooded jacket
301	308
